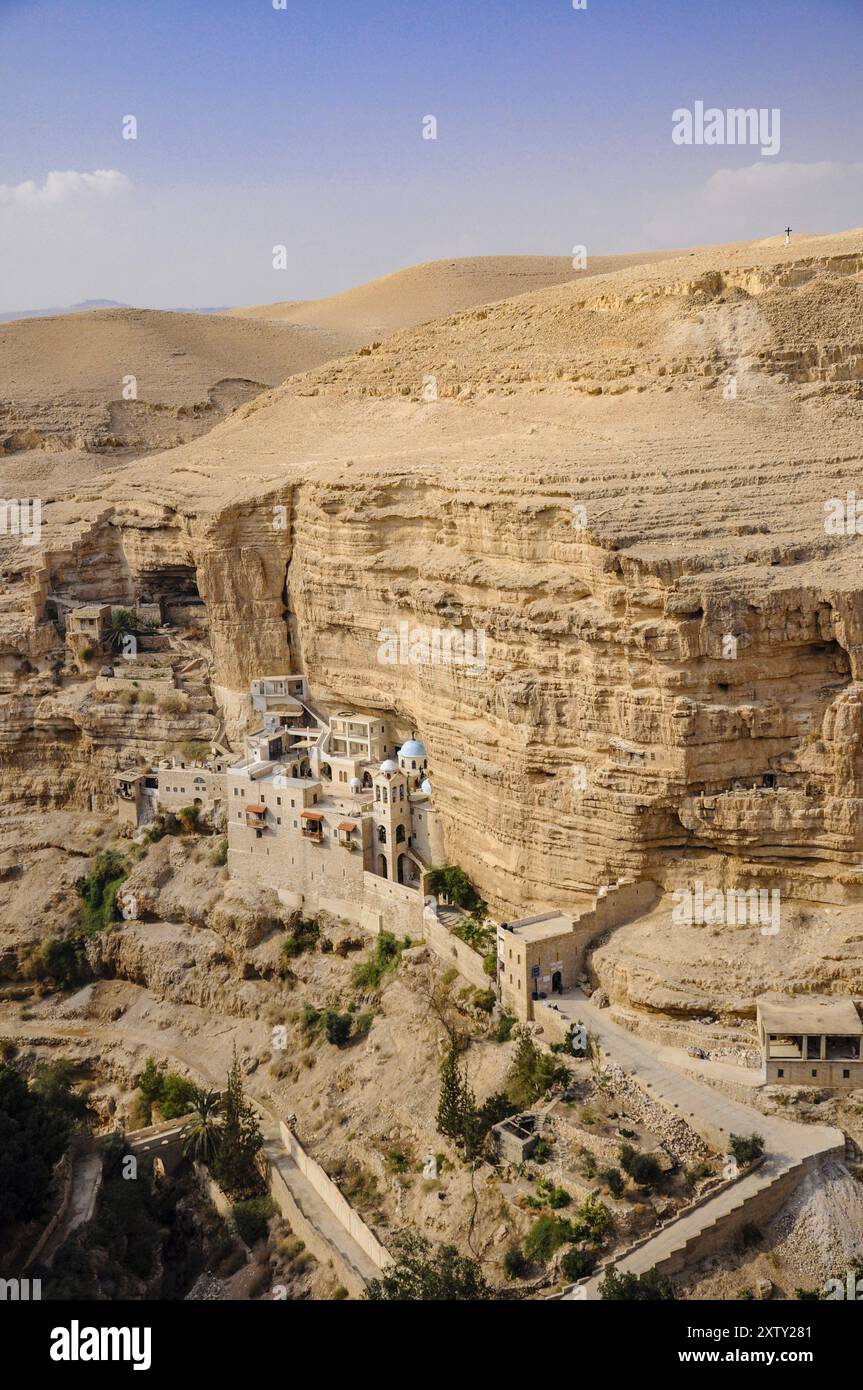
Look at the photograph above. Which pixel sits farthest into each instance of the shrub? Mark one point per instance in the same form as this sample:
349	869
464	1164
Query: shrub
251	1217
369	974
546	1235
337	1027
531	1072
176	1096
453	885
514	1263
98	891
303	935
592	1222
219	855
577	1263
640	1288
60	959
425	1274
505	1025
484	999
745	1149
613	1179
644	1169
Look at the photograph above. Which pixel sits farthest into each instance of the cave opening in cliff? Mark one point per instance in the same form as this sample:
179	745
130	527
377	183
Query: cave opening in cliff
173	589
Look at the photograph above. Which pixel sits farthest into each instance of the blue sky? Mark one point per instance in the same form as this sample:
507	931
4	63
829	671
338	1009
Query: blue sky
303	127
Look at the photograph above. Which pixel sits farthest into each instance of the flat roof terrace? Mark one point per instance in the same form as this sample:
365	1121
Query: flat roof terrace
812	1014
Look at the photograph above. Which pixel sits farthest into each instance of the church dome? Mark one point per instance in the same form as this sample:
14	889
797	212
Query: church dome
412	749
426	787
356	784
389	766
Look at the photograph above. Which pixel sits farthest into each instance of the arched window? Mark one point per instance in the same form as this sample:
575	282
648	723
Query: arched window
400	834
401	793
382	834
377	793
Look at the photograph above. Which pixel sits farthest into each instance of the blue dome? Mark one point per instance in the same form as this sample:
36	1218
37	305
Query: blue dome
412	749
389	766
426	787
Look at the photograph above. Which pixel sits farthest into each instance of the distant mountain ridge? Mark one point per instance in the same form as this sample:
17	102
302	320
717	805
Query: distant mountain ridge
86	307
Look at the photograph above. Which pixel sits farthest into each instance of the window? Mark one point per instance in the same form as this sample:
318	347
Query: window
846	1074
814	1071
781	1071
401	793
278	801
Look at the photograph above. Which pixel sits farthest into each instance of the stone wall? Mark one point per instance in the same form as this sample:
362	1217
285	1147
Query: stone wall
454	952
338	1205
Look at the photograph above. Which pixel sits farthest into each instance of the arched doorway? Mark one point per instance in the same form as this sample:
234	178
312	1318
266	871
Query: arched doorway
400	868
557	983
367	778
382	866
326	772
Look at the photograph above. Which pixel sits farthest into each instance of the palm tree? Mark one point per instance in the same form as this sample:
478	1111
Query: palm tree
123	623
203	1134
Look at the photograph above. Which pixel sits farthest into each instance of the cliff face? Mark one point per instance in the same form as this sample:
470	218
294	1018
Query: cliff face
654	643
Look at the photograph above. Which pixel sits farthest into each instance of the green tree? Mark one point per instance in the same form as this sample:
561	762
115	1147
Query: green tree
54	1083
450	1110
33	1135
421	1273
98	891
746	1148
635	1288
202	1135
453	885
531	1072
235	1168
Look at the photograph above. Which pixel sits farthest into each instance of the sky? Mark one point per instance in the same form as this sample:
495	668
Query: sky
303	127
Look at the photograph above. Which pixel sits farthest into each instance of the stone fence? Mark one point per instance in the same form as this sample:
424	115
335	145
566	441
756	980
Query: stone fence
337	1203
453	951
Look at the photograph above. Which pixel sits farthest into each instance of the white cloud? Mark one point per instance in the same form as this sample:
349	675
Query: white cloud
732	188
59	186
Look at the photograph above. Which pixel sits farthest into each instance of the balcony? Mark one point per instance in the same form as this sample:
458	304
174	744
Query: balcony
345	831
312	826
256	817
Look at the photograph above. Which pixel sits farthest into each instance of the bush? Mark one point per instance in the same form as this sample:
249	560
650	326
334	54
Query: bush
220	854
577	1263
484	999
619	1288
303	935
251	1217
644	1169
62	960
34	1134
531	1072
337	1027
505	1025
98	891
745	1149
613	1179
176	1096
592	1222
545	1236
514	1263
453	885
369	974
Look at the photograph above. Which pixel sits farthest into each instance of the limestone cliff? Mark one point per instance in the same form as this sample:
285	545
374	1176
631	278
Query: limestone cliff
620	486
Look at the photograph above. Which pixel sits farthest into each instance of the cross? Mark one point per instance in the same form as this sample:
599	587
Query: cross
787	236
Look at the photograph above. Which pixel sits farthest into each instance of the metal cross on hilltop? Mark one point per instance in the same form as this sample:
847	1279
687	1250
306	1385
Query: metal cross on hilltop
788	236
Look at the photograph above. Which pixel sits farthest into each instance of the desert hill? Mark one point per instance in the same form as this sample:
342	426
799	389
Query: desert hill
435	290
